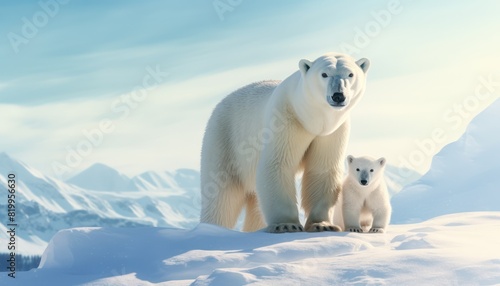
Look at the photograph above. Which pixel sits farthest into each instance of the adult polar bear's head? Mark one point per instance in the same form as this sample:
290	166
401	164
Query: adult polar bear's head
336	77
331	86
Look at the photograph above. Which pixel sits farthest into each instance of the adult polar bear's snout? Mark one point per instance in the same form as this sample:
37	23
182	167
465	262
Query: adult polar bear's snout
340	78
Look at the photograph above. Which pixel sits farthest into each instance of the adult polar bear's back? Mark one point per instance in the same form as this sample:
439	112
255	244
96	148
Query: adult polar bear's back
234	121
261	135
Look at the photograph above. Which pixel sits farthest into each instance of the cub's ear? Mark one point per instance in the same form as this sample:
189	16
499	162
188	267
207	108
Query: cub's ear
364	64
381	161
304	66
350	158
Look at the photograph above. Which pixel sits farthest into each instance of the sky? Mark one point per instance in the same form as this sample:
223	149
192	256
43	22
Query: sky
132	84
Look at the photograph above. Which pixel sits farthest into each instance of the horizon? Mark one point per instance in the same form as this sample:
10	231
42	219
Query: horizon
141	173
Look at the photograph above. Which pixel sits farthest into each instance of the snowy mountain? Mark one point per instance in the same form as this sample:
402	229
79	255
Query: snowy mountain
49	205
36	187
464	175
100	177
449	250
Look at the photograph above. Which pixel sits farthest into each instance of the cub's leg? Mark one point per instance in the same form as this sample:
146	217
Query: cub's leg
381	219
351	210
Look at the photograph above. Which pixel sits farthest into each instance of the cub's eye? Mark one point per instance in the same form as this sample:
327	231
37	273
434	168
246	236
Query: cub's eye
357	169
324	75
371	170
351	75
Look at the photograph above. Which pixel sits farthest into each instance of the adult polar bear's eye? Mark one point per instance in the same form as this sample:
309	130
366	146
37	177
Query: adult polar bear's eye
357	169
324	75
351	75
371	170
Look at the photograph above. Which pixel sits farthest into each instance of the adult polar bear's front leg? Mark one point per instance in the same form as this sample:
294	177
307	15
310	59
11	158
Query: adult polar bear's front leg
322	179
278	165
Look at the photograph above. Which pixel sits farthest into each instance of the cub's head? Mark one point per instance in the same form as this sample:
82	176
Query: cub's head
365	170
335	79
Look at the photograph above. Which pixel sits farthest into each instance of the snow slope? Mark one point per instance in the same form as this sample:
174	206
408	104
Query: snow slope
464	175
397	178
448	250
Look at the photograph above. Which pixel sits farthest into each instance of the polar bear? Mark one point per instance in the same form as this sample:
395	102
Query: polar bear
364	201
260	136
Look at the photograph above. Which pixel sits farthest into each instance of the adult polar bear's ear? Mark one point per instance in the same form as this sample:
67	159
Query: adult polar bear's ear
350	158
304	66
381	161
364	64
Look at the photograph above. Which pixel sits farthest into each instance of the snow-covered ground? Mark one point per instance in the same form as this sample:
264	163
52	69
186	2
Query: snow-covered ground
458	249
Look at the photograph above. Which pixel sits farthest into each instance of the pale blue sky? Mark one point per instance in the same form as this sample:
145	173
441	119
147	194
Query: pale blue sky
70	74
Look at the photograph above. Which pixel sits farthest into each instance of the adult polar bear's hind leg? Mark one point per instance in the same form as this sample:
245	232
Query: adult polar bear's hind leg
227	165
222	193
253	215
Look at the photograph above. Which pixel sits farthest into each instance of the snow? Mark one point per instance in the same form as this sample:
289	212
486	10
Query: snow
463	176
448	250
101	177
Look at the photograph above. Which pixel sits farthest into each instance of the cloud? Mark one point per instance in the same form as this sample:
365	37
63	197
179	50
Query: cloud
69	77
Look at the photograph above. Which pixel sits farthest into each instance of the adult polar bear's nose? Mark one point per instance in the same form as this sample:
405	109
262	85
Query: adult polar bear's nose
338	97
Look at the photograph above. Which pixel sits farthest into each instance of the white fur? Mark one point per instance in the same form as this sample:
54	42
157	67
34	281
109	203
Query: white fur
260	136
364	207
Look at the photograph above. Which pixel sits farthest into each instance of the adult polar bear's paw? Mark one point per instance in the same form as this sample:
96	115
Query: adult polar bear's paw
322	226
376	230
354	229
285	227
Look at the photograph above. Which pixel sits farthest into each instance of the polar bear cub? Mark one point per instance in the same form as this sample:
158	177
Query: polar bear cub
364	202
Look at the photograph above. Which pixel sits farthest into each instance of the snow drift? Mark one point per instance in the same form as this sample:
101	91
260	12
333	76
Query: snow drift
464	175
449	250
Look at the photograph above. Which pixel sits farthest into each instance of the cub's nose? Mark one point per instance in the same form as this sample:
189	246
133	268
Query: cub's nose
364	182
338	97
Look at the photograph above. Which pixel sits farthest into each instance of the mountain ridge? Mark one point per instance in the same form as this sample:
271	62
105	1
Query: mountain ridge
49	204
